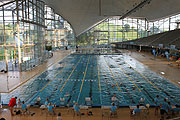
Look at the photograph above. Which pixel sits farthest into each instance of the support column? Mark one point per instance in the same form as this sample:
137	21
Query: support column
15	56
153	28
5	54
24	42
0	100
148	28
14	41
18	31
55	40
12	59
137	28
4	36
169	23
145	27
108	33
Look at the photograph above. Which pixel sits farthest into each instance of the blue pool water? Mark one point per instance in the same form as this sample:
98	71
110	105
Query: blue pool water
80	76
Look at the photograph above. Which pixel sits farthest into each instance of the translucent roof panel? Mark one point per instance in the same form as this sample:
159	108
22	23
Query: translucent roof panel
83	14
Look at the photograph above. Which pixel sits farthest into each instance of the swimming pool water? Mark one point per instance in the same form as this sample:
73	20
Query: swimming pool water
80	76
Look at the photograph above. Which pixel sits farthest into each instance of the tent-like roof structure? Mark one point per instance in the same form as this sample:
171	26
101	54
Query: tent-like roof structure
84	14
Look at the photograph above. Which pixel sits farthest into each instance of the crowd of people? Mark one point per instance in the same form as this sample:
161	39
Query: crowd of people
164	108
166	53
13	105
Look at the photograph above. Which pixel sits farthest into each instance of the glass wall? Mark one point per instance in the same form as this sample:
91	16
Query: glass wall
26	28
22	34
58	32
115	30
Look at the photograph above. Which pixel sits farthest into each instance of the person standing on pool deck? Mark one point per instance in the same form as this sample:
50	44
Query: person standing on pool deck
156	101
51	108
38	101
114	99
113	107
19	103
154	52
167	55
12	103
59	116
76	109
46	102
23	107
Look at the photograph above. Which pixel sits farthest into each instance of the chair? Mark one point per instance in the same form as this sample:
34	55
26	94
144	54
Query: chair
113	114
26	111
88	101
68	108
44	109
77	113
105	111
137	116
62	101
146	112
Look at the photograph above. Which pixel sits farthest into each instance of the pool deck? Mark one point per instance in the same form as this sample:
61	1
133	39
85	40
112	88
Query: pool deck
157	65
123	114
12	80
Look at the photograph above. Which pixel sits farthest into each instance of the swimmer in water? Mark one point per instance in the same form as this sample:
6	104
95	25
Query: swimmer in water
67	95
113	99
113	85
133	88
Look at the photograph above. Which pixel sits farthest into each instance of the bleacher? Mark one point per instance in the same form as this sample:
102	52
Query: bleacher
148	40
176	42
166	38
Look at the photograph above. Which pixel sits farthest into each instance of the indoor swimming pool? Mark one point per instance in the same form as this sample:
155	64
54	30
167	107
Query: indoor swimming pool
98	77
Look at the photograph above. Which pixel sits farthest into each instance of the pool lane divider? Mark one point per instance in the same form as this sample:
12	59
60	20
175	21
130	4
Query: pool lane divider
133	83
44	86
163	93
115	80
83	80
99	81
70	74
142	76
144	90
74	85
129	78
36	94
113	77
51	80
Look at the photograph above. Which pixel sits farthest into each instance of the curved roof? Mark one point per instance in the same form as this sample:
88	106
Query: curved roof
83	14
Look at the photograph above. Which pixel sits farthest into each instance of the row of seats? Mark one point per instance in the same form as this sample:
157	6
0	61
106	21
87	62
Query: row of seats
166	38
